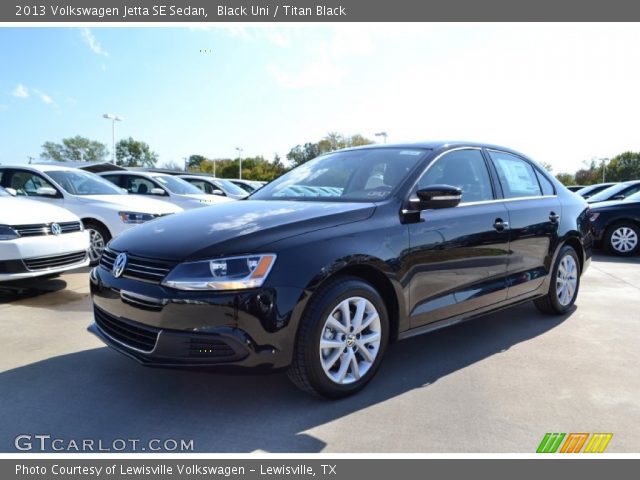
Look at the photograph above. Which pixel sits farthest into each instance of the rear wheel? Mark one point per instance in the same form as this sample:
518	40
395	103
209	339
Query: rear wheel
99	236
564	284
623	239
341	340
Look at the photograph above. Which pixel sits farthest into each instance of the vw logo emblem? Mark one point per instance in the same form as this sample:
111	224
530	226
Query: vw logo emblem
56	229
119	264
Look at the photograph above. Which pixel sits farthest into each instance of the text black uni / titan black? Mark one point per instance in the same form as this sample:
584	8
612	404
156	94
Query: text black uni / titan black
319	270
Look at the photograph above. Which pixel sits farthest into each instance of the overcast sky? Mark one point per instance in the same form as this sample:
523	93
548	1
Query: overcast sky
561	93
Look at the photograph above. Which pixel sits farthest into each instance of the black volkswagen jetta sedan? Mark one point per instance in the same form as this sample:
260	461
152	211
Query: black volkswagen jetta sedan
321	269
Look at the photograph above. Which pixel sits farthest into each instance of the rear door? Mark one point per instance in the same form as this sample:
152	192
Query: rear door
534	215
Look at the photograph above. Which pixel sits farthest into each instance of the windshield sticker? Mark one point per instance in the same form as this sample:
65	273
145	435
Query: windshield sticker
410	152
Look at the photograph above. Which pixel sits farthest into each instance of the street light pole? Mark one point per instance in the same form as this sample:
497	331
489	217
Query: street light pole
114	119
604	169
384	135
240	157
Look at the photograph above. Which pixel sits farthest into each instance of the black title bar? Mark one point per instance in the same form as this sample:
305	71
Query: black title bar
84	11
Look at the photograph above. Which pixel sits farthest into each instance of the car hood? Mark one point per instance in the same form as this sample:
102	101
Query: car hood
22	211
133	203
235	227
205	198
612	203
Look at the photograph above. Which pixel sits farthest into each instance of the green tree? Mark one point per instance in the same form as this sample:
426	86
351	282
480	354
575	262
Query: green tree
623	167
75	149
194	162
565	178
134	153
330	142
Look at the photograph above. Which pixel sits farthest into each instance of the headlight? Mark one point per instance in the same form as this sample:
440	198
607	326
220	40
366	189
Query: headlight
8	233
594	216
135	217
232	273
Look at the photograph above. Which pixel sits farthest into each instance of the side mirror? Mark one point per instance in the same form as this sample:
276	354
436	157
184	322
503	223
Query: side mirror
124	190
620	196
437	196
157	191
217	192
11	191
47	191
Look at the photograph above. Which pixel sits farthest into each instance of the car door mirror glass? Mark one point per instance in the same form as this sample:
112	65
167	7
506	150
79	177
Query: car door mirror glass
437	196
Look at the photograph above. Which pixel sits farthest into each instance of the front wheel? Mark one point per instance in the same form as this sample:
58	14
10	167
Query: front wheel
563	285
99	236
341	339
623	239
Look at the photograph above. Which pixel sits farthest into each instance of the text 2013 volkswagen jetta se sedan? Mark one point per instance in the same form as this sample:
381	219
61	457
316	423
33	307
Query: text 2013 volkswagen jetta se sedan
319	270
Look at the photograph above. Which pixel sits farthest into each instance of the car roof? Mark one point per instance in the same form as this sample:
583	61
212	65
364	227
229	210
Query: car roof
437	145
40	167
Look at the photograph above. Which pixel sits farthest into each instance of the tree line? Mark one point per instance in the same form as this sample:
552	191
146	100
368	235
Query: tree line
136	153
622	167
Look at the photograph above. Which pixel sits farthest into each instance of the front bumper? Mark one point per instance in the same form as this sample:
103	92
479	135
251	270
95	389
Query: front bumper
159	326
42	255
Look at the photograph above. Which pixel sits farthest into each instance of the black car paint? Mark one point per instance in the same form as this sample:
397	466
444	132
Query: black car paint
612	212
433	268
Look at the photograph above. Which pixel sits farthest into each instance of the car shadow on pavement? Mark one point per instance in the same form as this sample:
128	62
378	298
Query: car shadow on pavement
99	394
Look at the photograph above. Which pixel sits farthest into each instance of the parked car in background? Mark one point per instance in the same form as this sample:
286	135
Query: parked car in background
248	186
618	191
105	210
616	225
574	188
591	190
163	186
215	186
38	240
320	269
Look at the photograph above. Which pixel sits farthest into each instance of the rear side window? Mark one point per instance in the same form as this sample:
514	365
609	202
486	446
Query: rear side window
545	184
517	177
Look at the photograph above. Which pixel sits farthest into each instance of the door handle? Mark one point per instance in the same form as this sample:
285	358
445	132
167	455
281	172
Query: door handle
554	217
500	225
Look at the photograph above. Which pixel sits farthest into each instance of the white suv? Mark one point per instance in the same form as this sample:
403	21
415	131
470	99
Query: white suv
38	240
105	210
166	187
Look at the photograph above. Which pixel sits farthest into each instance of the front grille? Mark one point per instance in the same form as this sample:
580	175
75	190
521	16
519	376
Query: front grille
210	348
54	261
138	268
128	332
41	229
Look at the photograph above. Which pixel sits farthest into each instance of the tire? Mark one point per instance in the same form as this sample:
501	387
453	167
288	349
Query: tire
99	236
346	368
564	284
622	239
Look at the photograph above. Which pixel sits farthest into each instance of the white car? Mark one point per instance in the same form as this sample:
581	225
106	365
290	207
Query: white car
105	210
38	240
167	187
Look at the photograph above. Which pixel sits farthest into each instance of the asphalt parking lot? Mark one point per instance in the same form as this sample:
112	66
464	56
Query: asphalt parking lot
496	384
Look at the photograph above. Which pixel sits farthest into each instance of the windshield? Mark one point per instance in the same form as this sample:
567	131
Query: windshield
230	188
633	198
177	185
607	193
78	182
365	175
592	189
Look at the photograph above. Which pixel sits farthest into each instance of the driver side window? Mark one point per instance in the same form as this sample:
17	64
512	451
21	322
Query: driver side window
28	183
465	169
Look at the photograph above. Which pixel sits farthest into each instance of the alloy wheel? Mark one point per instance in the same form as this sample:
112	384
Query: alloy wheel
624	239
350	340
96	245
566	280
